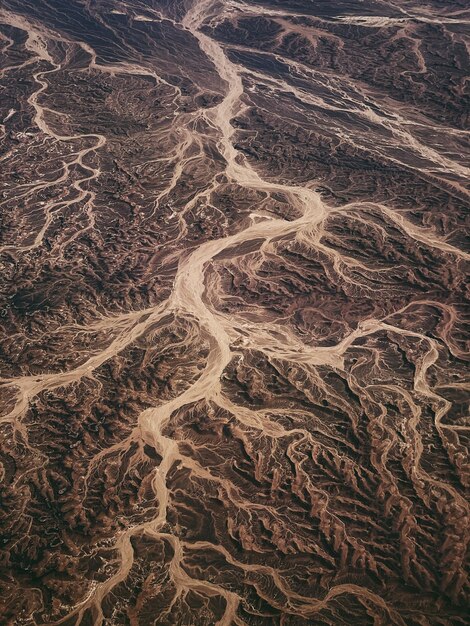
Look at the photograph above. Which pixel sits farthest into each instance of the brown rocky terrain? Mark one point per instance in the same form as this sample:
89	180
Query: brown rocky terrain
233	352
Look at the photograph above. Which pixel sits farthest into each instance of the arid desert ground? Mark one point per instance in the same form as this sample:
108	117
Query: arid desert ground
233	354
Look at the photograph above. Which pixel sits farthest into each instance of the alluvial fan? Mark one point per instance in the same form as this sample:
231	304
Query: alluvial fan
232	300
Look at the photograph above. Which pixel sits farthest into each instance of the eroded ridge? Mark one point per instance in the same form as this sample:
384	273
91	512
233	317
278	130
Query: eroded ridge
233	356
